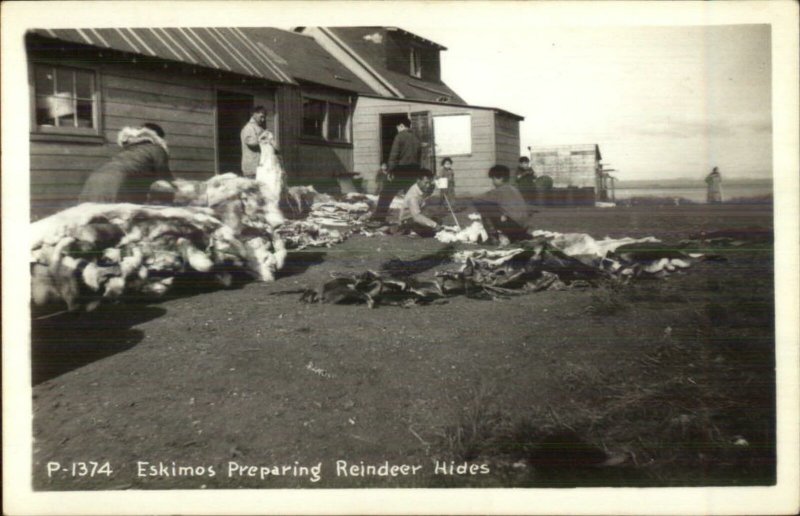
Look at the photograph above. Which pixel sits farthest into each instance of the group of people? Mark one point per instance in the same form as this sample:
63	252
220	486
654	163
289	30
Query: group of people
140	174
504	211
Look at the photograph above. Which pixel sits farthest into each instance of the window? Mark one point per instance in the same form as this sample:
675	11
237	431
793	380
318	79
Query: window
416	63
452	134
338	116
66	98
313	118
326	120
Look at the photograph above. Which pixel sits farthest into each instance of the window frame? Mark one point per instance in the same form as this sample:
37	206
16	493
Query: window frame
323	128
43	131
326	125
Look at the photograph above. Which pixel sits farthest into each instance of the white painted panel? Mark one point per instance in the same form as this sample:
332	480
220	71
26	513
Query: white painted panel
453	134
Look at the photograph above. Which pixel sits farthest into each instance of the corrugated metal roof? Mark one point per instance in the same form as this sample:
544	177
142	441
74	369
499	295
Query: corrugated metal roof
220	48
306	59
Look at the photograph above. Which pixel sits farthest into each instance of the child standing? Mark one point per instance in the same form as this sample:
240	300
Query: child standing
447	172
381	178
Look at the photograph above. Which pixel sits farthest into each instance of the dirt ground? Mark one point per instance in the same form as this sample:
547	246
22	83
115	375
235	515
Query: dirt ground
659	383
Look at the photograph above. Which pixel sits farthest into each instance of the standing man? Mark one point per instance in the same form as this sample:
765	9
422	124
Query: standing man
404	165
714	182
251	152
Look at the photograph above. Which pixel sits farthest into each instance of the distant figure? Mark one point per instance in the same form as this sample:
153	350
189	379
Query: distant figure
251	151
404	166
503	210
526	179
714	182
128	177
447	172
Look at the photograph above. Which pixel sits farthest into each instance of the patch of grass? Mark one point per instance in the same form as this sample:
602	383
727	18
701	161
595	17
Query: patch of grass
752	199
608	299
652	200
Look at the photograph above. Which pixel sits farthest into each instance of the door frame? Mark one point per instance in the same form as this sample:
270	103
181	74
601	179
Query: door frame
254	92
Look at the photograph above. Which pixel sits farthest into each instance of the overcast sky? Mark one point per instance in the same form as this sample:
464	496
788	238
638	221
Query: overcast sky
660	101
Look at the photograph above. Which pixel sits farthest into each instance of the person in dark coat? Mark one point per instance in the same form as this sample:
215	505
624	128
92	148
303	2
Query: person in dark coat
404	164
714	183
503	210
526	179
128	177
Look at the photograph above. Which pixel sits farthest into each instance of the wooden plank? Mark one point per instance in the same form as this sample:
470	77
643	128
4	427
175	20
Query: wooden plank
121	109
51	162
114	123
173	139
154	98
70	150
180	85
191	153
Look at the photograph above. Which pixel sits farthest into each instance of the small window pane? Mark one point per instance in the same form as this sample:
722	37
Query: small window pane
85	118
337	122
43	115
84	85
313	117
64	81
65	97
44	80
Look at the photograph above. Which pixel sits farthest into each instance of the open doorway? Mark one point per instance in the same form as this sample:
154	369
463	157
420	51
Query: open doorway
420	124
233	112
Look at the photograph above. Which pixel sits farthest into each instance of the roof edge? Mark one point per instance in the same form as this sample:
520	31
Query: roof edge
497	110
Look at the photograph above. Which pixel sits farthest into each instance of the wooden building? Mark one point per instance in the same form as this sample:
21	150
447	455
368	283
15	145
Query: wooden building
568	165
199	85
404	72
334	96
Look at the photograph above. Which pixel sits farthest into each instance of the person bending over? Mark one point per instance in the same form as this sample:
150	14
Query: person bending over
128	177
412	216
503	210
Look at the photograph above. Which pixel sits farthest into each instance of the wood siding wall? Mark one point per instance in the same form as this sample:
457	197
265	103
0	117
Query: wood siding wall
507	140
568	167
180	98
470	171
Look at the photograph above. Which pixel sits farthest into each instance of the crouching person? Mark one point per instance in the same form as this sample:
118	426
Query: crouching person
412	217
503	209
131	174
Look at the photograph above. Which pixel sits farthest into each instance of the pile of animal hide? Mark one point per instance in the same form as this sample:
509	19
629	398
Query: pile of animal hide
621	257
549	261
473	234
328	220
94	252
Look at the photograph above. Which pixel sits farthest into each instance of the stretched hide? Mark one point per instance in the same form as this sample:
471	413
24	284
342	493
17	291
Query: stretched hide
272	178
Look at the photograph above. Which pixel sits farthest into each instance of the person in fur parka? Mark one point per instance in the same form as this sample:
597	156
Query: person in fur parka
143	160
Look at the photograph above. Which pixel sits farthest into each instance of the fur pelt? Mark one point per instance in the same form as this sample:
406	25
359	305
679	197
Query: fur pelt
133	135
94	252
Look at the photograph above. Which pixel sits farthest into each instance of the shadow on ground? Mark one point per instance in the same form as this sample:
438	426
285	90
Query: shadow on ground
67	341
297	262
